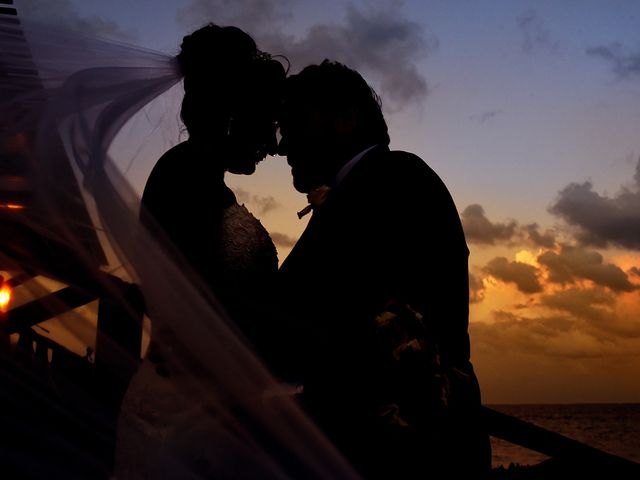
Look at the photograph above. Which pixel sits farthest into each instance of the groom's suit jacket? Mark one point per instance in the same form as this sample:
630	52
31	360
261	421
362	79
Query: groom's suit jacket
389	229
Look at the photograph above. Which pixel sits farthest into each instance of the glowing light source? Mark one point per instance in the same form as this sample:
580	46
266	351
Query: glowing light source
12	206
5	296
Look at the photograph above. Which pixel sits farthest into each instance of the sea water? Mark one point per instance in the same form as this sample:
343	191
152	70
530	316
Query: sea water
614	428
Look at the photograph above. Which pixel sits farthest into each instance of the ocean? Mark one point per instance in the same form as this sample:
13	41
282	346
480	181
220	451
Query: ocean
614	428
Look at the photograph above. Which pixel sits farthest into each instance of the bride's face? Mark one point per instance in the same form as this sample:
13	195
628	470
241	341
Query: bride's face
252	132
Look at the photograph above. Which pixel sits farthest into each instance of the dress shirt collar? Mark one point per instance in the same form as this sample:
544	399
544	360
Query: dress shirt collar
344	171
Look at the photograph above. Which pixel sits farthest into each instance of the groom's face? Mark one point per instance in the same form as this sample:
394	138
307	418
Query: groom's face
309	141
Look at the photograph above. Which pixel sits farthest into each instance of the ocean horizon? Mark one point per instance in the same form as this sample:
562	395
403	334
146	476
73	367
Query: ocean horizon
612	427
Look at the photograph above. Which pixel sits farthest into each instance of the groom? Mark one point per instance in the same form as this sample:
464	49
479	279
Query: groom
377	289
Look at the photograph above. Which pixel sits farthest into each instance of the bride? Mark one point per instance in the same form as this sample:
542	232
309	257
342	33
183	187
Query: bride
232	91
202	404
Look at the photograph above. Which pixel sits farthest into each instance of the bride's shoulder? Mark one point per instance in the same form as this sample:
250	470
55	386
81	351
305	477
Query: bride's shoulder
175	155
172	161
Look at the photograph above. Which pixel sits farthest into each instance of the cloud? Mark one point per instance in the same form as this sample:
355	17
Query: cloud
605	315
558	336
602	220
486	116
547	239
476	289
479	229
283	240
63	13
549	336
522	274
535	36
376	40
574	262
261	205
582	303
635	271
625	64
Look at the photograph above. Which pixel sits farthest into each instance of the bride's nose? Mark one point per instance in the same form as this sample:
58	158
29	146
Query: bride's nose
282	146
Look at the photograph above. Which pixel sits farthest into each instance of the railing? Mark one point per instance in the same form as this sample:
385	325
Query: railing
59	409
568	456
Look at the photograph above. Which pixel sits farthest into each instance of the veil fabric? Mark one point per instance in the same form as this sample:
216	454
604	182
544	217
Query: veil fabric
77	115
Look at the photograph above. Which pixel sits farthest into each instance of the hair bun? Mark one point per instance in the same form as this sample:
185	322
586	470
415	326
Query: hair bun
213	48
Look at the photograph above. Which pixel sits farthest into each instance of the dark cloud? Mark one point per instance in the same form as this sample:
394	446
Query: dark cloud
597	309
476	289
283	240
557	336
545	326
577	263
535	35
486	116
546	239
522	274
479	229
635	271
625	64
376	40
260	205
593	304
63	13
552	335
602	220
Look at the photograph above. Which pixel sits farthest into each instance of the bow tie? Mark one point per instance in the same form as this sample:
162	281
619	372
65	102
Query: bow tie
315	197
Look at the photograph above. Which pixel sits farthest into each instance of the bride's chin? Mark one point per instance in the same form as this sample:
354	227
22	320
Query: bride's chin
243	169
246	165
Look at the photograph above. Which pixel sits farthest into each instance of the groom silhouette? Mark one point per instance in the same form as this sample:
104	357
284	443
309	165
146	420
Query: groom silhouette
377	289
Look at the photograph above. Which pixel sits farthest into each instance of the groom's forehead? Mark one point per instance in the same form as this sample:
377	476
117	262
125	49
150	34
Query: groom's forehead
310	108
304	117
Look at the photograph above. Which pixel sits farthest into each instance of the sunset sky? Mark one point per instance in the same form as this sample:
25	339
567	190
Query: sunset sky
530	113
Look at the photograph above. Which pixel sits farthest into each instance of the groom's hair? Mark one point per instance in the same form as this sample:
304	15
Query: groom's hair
335	88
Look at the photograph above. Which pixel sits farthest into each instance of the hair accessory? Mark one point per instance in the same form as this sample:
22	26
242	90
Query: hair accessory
262	56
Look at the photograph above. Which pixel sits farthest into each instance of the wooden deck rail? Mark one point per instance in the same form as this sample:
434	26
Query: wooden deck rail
572	453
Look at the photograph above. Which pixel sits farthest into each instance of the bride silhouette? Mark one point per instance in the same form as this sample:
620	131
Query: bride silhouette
232	91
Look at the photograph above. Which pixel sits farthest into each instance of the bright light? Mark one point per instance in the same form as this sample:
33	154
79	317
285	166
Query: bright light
5	297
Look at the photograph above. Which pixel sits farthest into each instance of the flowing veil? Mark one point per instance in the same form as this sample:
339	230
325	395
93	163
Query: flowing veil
78	119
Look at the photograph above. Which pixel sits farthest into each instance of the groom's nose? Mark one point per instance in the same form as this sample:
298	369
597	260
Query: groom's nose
272	143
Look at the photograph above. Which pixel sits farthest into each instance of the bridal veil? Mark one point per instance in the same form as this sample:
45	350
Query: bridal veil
81	122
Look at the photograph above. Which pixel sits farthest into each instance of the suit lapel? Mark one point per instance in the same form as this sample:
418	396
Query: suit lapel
327	216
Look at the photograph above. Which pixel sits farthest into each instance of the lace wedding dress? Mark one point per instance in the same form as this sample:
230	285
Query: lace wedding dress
166	431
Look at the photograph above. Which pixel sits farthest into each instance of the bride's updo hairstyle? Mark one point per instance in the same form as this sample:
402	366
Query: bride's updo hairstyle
223	71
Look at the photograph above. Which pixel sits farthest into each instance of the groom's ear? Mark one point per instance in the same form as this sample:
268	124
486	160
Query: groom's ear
346	122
